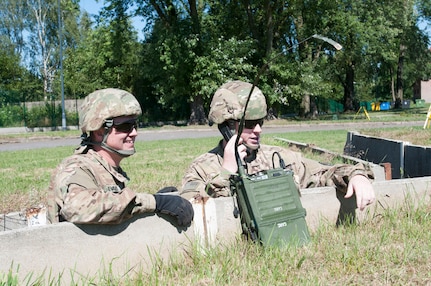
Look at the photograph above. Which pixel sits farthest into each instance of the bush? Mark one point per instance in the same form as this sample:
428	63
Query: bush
11	115
38	116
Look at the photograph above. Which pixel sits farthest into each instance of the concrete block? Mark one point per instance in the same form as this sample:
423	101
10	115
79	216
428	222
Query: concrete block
75	252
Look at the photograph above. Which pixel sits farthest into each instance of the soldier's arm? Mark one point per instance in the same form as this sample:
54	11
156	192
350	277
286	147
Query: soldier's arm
339	175
206	177
198	183
310	173
349	179
83	201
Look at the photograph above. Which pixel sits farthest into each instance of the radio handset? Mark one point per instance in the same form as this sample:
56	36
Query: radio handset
227	129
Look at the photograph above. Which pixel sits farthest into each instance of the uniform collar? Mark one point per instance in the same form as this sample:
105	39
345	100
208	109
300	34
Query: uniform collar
116	172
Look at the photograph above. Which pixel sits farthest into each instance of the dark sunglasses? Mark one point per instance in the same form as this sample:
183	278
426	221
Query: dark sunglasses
127	126
251	124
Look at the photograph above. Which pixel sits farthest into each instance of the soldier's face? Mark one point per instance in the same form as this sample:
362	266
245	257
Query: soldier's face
123	133
251	134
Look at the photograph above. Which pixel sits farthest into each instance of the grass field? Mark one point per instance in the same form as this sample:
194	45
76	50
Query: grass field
392	249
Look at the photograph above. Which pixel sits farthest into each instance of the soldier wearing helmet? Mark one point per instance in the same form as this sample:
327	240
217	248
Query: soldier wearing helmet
209	174
89	187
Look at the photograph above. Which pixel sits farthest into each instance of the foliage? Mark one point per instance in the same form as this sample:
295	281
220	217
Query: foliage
192	47
10	115
227	59
10	68
48	115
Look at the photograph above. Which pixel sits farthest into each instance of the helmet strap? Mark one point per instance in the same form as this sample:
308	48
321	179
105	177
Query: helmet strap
122	153
86	140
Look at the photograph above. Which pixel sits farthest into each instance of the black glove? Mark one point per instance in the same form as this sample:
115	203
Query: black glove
175	206
167	190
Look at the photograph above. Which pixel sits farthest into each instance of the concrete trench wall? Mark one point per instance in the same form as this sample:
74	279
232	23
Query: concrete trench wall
80	253
83	252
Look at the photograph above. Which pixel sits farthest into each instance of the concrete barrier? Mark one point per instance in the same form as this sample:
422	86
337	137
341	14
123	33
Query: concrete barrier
79	253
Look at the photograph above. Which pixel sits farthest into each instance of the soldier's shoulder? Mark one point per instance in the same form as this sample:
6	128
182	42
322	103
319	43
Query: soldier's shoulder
76	160
206	157
272	148
283	151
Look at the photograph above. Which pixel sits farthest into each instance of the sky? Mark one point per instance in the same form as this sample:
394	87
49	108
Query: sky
93	7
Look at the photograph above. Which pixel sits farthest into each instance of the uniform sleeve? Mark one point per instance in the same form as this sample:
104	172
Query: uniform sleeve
310	173
83	201
206	177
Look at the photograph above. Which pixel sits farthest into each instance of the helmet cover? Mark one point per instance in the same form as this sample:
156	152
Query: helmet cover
229	101
104	104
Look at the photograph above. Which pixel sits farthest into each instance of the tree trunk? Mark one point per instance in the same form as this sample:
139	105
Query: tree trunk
305	106
400	88
392	85
269	29
197	116
417	89
349	88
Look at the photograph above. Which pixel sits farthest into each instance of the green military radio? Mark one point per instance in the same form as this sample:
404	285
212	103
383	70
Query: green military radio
270	208
269	202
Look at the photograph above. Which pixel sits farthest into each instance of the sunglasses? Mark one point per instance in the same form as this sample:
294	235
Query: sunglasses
127	126
251	124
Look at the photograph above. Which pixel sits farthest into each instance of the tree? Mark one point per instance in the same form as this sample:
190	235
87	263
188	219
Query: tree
10	71
12	22
177	39
80	61
106	56
43	46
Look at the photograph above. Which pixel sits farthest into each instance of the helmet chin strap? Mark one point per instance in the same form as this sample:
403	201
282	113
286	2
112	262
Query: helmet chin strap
122	153
87	141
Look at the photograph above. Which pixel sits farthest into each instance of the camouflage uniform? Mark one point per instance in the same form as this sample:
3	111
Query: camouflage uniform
206	177
86	189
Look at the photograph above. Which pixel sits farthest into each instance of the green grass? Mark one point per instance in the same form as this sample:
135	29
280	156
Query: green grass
389	249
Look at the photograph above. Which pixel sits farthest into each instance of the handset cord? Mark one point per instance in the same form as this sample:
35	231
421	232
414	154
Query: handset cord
280	161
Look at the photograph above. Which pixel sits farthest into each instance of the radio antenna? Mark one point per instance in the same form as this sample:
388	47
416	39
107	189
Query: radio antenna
336	45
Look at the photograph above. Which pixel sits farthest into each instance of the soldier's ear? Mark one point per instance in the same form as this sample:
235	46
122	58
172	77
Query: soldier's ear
97	135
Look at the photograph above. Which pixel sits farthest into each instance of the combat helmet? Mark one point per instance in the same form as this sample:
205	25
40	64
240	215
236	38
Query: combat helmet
104	104
229	101
99	108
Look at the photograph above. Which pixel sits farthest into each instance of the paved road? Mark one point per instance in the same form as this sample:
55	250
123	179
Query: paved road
150	135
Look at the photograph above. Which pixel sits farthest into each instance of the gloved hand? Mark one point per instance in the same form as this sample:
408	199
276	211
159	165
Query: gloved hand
175	206
169	189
